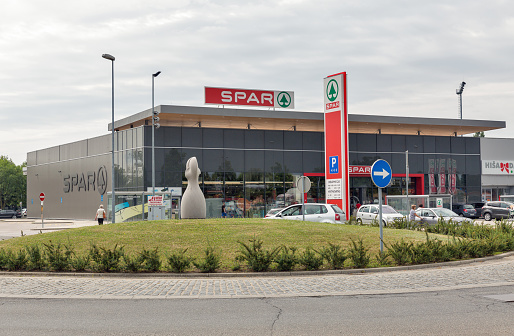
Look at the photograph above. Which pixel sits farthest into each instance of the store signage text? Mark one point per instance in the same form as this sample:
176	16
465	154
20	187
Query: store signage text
91	180
360	170
246	97
497	167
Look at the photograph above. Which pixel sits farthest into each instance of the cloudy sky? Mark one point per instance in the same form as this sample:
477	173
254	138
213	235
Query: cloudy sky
403	58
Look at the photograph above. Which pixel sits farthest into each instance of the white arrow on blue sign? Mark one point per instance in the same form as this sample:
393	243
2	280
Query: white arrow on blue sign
381	173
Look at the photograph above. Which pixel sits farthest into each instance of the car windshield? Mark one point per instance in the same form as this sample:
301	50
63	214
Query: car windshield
468	206
387	209
443	212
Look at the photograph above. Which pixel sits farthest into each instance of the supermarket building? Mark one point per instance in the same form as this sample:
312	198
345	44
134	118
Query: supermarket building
251	158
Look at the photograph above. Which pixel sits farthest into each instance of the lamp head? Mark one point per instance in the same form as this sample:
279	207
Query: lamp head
108	57
156	74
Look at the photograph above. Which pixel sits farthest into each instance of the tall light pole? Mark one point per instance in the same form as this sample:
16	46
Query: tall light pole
407	178
459	92
155	125
113	201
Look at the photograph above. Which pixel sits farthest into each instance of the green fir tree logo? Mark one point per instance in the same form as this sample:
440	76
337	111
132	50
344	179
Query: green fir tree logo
332	90
284	99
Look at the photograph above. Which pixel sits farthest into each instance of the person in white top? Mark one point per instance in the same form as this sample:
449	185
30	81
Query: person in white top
100	214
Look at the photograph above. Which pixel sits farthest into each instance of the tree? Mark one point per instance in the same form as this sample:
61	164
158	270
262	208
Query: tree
13	184
479	134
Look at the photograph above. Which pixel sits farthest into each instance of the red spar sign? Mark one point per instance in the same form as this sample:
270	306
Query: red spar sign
247	97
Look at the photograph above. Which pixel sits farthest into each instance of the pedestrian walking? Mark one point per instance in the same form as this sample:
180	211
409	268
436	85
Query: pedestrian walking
223	211
412	213
100	215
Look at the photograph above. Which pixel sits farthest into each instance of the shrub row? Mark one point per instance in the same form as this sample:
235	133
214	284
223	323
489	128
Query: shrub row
62	257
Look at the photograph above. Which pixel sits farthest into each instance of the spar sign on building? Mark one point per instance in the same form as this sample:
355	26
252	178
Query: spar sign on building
337	176
247	97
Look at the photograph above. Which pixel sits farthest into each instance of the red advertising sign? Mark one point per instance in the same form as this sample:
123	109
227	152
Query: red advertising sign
247	97
336	142
360	170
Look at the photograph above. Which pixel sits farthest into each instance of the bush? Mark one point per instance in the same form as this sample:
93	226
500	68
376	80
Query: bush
106	260
310	259
150	260
178	262
210	263
286	259
58	256
358	254
258	259
80	263
36	258
16	261
334	255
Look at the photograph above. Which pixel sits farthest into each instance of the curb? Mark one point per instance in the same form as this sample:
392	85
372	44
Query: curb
353	271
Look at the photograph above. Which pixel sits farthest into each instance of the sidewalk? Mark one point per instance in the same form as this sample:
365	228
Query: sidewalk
11	228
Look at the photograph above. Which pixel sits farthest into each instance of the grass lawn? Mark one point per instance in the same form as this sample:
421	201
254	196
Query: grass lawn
222	234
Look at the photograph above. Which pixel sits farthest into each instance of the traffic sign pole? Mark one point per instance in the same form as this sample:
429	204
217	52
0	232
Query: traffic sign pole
42	198
381	175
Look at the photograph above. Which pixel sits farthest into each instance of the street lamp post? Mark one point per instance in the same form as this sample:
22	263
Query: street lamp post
407	178
113	208
155	119
459	92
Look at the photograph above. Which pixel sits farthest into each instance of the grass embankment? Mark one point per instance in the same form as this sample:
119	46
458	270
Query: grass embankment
221	234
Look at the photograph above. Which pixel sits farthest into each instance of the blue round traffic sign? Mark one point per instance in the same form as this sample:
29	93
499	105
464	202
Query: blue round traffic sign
381	173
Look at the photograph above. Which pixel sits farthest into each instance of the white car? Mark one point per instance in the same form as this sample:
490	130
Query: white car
314	212
368	214
273	212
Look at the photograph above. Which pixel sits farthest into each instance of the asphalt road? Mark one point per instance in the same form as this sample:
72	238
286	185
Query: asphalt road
454	312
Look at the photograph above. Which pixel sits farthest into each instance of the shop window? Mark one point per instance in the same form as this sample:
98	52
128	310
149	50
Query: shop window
384	143
254	139
313	141
313	162
274	139
429	144
398	143
274	161
212	138
213	160
191	137
233	138
234	160
293	162
366	142
293	140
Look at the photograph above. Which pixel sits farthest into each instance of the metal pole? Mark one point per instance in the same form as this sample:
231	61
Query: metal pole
303	198
407	177
380	219
153	140
113	184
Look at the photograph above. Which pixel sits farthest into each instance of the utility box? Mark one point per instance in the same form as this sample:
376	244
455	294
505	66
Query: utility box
156	212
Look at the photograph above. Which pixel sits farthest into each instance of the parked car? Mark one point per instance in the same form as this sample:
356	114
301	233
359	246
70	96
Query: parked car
314	212
478	207
497	210
434	215
273	212
10	214
368	214
24	212
465	210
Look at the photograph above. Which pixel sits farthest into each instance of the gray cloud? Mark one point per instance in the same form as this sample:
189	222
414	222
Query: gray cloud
402	58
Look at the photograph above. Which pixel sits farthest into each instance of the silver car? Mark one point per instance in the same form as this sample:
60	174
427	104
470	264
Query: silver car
434	215
314	212
368	214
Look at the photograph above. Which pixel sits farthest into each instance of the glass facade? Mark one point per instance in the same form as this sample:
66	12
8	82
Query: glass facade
252	171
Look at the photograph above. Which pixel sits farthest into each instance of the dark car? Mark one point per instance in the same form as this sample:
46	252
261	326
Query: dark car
10	214
465	210
497	210
478	207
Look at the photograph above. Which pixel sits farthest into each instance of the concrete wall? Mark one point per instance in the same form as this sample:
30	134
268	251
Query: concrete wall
73	177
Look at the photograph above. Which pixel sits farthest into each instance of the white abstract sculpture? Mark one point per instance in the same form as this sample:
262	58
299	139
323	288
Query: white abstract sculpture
193	200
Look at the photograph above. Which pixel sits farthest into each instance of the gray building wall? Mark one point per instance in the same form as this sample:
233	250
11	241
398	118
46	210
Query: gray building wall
72	176
500	150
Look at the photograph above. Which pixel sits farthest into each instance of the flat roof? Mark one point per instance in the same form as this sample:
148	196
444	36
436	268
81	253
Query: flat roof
219	117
